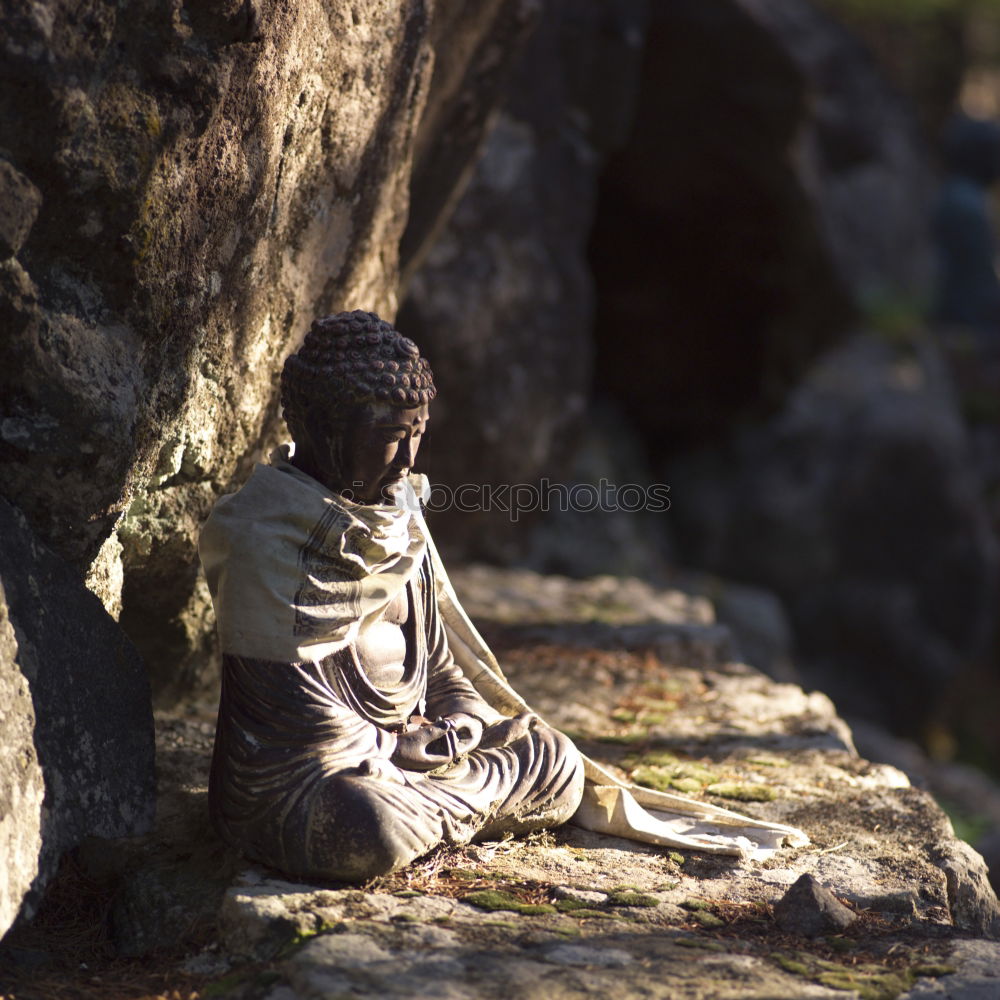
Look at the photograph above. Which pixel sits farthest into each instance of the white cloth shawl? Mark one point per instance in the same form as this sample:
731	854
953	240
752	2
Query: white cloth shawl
297	572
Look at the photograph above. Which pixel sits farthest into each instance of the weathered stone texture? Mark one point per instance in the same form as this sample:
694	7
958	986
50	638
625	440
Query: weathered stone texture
618	918
76	719
211	176
971	899
19	203
21	785
810	909
502	303
473	62
859	156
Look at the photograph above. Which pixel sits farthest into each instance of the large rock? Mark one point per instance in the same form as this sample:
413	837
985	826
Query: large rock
810	909
76	743
859	156
502	301
771	186
208	177
666	924
856	504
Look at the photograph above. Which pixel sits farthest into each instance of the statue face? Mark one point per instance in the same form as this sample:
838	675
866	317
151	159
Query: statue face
379	449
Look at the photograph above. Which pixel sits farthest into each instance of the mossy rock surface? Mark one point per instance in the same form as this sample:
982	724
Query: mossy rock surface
569	905
743	792
869	980
702	944
688	778
627	898
496	899
501	901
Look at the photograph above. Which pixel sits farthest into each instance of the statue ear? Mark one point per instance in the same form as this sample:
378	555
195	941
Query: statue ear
326	433
311	438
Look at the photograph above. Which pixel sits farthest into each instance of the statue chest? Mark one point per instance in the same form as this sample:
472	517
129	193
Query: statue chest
382	648
383	676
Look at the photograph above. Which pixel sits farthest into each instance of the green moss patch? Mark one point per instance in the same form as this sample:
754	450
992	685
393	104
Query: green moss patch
769	761
869	986
466	874
569	905
589	912
646	711
933	971
743	792
704	944
694	904
567	930
654	718
869	981
623	715
791	965
664	771
701	912
495	899
687	780
841	944
689	786
632	899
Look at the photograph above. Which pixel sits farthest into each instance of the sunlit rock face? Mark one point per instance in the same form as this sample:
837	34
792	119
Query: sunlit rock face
21	785
197	182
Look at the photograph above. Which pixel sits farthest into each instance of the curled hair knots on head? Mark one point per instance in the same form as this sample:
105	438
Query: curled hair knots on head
350	358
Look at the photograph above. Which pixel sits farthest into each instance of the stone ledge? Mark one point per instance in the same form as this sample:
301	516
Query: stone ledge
569	913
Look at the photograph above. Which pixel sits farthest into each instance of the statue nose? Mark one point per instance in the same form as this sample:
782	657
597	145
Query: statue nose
404	454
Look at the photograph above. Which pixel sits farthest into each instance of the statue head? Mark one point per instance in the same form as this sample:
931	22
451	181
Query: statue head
355	398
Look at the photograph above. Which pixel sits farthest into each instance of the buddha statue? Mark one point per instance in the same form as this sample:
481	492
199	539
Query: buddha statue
349	742
362	720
